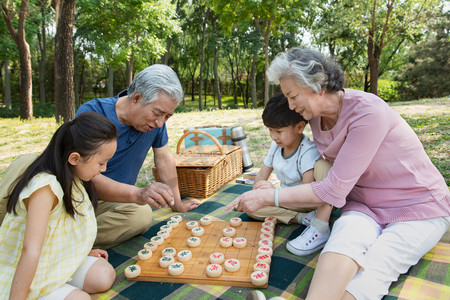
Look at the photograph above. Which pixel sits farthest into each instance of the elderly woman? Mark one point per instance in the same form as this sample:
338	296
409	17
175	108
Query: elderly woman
395	204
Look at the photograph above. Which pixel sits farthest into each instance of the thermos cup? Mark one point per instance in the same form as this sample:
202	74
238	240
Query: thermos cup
239	139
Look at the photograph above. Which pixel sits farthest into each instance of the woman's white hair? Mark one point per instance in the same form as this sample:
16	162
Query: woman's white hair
308	68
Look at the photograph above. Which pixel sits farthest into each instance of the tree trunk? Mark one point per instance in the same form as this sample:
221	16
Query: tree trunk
206	85
202	62
26	105
64	96
193	86
374	53
43	48
253	79
127	71
166	56
216	79
2	87
233	77
110	82
266	66
76	79
7	85
130	70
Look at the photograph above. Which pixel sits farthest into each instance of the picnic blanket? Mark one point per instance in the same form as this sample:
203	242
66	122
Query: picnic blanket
290	275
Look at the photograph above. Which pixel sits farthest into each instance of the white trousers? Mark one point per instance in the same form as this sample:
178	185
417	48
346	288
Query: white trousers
382	253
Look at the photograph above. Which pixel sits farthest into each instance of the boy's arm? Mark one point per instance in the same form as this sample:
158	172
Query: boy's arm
39	206
261	178
308	176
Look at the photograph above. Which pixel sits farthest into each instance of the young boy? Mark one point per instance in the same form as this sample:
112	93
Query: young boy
292	156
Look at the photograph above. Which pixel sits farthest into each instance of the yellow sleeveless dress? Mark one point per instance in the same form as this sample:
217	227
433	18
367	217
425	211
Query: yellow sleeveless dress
67	243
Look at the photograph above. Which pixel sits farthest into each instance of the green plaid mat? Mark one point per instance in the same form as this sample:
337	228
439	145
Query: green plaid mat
290	275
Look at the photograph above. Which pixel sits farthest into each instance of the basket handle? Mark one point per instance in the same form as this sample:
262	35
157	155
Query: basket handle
186	133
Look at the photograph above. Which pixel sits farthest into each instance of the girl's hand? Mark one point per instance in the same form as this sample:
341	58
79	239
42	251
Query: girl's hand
99	253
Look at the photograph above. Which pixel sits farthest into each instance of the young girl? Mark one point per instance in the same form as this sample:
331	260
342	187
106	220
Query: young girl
48	232
292	156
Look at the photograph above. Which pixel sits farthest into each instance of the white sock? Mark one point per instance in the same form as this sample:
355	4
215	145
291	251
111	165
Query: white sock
322	226
300	217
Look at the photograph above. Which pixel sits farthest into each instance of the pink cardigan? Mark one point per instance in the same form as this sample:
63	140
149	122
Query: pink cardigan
379	165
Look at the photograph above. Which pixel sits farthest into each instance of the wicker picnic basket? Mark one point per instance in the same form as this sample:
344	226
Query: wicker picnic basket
203	169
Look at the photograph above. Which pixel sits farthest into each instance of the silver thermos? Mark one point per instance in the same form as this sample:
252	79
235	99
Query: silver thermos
239	139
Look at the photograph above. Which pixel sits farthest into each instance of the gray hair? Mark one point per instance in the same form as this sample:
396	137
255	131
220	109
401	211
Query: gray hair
308	68
154	80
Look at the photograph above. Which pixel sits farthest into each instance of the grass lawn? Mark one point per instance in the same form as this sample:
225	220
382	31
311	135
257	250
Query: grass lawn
429	119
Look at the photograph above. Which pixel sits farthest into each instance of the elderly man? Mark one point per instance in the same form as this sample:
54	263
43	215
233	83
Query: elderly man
140	114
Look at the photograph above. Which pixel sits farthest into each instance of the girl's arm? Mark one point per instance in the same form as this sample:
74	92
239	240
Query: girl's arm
39	205
261	178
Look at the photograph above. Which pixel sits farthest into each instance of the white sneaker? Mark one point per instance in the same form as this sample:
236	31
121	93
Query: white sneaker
307	219
255	295
310	241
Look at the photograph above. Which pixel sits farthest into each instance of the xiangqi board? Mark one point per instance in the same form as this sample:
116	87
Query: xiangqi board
195	269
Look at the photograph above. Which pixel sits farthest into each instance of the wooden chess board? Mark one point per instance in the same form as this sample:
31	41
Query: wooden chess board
195	269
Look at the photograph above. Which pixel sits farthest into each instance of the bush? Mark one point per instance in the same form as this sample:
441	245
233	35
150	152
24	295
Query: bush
387	90
39	111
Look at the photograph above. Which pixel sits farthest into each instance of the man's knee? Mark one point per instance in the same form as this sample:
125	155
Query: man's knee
143	218
138	218
121	222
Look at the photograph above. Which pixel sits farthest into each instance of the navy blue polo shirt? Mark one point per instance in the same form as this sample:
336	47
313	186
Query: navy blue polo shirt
132	145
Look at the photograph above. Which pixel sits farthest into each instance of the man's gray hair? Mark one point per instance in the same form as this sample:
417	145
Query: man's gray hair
308	68
154	80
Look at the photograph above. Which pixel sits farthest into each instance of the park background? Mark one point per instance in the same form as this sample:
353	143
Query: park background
56	55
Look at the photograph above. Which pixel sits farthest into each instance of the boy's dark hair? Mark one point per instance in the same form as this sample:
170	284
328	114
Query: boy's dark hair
277	114
84	134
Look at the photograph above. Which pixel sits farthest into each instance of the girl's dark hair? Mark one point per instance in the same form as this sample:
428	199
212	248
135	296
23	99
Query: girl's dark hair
84	134
277	113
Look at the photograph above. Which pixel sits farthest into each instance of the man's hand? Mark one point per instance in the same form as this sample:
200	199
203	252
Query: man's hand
156	194
188	205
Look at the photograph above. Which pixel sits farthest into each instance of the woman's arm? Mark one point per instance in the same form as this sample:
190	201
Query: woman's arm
39	206
301	196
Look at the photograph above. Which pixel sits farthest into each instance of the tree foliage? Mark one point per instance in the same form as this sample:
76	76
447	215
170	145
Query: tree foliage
220	47
426	74
132	30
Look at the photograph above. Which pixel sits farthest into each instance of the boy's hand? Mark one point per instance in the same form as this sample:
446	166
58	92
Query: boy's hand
263	184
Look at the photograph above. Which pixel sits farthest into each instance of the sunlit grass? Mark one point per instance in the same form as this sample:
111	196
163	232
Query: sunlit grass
429	118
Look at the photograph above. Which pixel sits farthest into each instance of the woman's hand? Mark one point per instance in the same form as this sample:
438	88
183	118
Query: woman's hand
252	201
99	253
